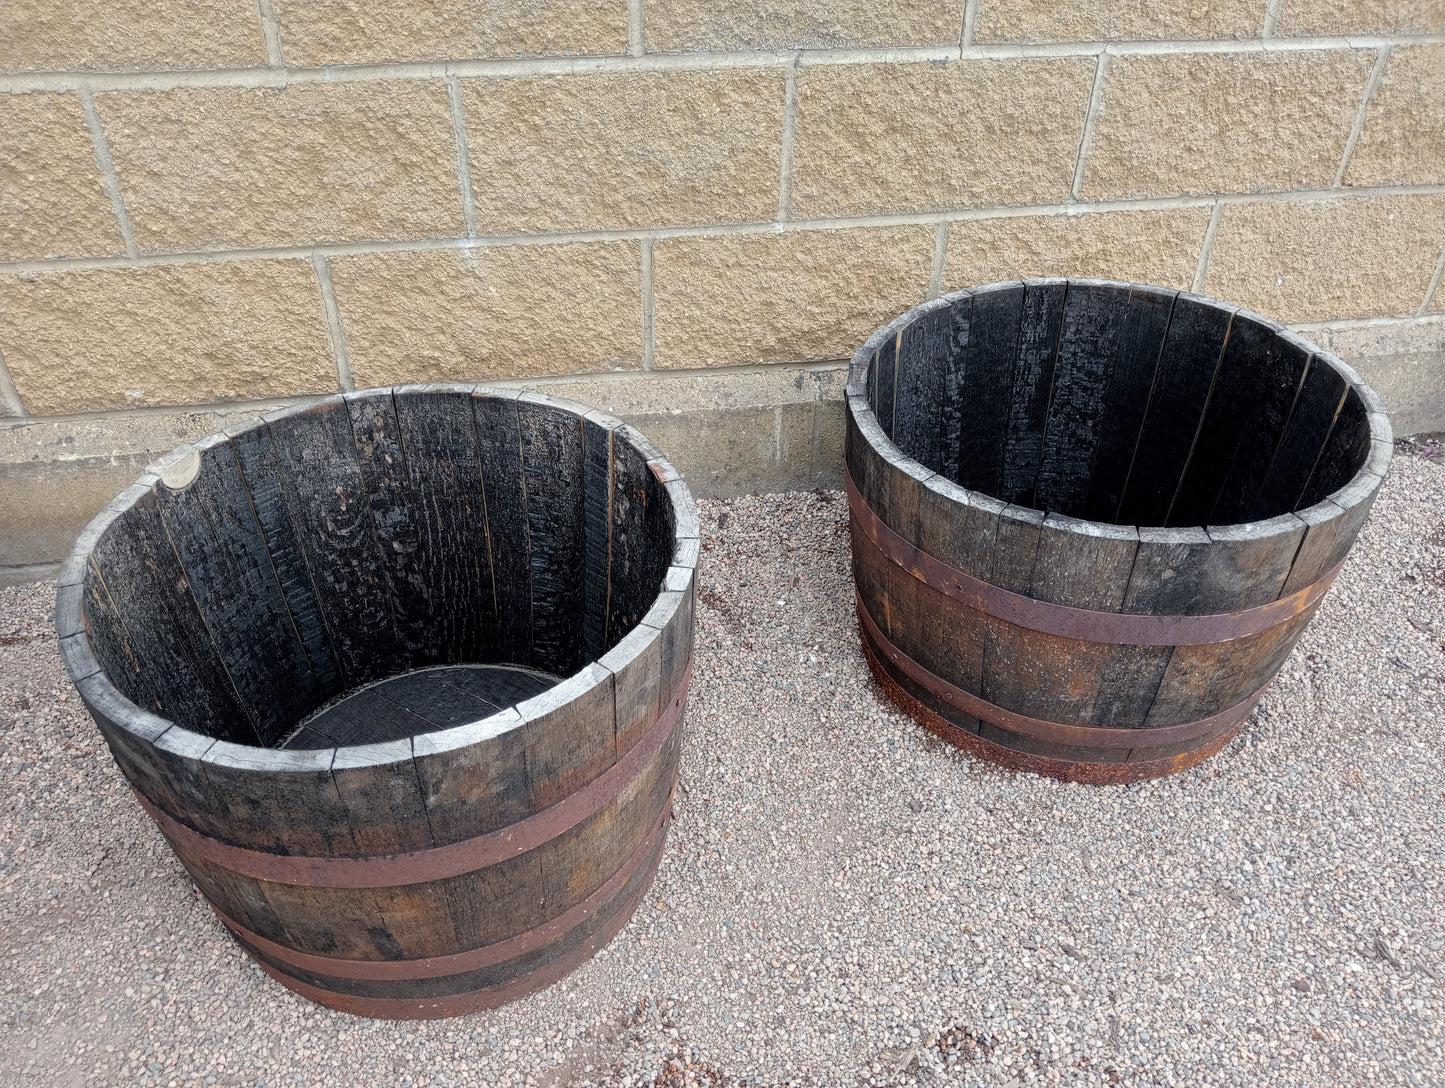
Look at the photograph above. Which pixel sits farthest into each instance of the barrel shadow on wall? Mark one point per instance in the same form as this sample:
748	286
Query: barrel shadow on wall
400	676
1090	519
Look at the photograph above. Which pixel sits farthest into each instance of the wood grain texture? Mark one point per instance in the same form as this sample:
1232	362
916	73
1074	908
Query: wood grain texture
955	383
1344	453
1320	399
552	461
958	527
1331	528
885	383
509	547
438	433
382	796
1181	392
923	356
219	541
187	681
639	515
282	803
161	760
1254	358
598	435
329	501
988	361
1279	372
474	777
1089	341
1033	383
260	466
570	735
399	533
1121	418
636	666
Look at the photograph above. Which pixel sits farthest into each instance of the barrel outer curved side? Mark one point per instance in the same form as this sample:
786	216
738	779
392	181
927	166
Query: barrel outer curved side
323	802
1063	679
442	917
483	988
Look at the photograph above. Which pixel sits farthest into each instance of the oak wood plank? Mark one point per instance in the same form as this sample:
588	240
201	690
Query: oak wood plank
218	539
187	681
1182	388
1315	409
499	442
378	786
1146	323
552	459
1094	320
988	362
1033	382
438	433
261	469
1279	374
329	501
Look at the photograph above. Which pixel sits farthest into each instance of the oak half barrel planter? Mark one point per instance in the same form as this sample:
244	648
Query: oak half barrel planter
400	677
1090	519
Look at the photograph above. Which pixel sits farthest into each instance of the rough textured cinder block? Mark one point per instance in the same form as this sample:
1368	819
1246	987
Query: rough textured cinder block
1361	17
1403	138
879	138
52	198
56	474
630	150
1115	20
314	162
1322	259
1160	247
129	34
734	433
320	32
114	338
1404	363
804	294
1224	122
506	312
730	433
676	26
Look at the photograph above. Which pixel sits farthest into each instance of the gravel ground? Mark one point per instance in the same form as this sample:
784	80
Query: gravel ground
844	899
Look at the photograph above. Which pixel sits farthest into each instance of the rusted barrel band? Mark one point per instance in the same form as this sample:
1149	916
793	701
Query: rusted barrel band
1121	628
438	862
1083	736
458	962
432	1008
1067	770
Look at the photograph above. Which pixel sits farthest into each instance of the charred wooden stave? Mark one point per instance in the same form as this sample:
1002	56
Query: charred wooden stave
371	535
1090	519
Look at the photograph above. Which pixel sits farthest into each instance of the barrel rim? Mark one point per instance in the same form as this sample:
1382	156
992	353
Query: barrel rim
83	667
1366	480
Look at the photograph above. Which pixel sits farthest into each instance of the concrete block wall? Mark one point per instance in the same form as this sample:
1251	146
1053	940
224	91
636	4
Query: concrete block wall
687	212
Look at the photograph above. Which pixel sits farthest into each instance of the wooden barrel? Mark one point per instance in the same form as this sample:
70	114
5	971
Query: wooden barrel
400	677
1091	519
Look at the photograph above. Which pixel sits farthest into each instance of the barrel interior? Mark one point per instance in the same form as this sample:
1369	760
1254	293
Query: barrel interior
378	566
1118	403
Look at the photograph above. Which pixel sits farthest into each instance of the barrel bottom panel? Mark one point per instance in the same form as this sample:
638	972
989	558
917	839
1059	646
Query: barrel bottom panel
979	738
543	957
